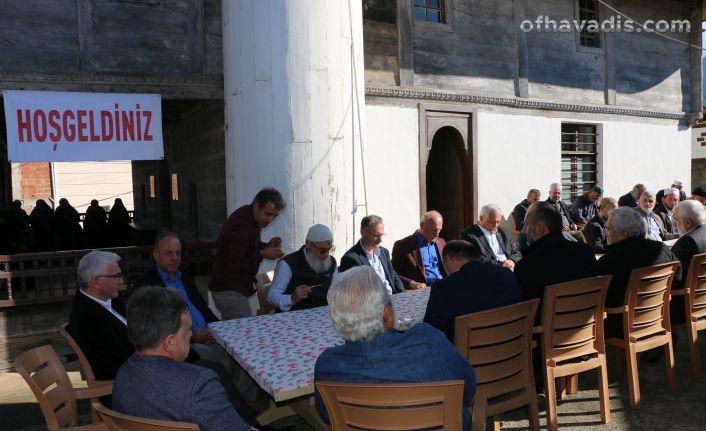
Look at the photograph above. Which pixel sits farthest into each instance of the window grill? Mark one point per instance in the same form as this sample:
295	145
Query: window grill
579	166
429	10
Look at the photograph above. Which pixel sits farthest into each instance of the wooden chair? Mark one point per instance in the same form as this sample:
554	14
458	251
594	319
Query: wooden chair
512	228
402	406
91	380
47	378
646	322
695	307
498	343
263	281
572	338
121	422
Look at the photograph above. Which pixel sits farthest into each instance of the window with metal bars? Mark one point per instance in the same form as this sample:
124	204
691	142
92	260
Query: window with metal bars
588	12
579	167
429	10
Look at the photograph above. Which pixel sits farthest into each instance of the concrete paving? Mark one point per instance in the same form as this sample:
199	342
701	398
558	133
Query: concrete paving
684	411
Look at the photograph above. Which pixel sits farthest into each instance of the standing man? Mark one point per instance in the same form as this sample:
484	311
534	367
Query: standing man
303	278
632	199
492	242
554	198
368	251
594	231
417	258
240	252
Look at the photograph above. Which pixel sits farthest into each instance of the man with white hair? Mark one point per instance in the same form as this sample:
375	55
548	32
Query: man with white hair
555	199
361	311
492	242
417	258
97	321
655	225
676	184
690	217
665	210
303	278
627	249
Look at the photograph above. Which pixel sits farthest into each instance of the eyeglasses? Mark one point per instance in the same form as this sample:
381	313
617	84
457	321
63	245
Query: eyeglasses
118	275
376	236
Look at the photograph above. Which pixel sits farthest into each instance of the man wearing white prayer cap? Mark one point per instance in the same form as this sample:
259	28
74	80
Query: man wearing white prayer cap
676	184
302	278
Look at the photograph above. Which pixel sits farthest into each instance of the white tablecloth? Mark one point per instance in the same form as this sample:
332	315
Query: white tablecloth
279	350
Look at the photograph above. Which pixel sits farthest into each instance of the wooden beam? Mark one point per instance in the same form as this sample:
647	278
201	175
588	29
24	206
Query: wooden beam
405	42
520	48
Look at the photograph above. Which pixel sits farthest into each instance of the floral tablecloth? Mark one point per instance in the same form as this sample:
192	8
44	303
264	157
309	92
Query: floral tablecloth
279	350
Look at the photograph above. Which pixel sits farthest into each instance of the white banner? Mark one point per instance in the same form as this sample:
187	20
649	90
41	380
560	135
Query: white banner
48	126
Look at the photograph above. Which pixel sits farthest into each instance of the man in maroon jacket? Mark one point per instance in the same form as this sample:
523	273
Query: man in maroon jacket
417	258
240	252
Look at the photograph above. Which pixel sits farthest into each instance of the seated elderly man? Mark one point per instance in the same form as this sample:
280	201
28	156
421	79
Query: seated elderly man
655	226
155	382
303	278
676	184
369	252
361	311
665	210
690	217
417	258
519	213
594	231
627	249
585	207
632	198
97	321
567	221
492	242
471	286
699	194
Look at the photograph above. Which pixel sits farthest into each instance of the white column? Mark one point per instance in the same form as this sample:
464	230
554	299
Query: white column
291	108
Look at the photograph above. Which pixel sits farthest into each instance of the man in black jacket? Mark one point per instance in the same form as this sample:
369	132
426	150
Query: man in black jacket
632	198
594	231
368	251
627	249
492	242
690	217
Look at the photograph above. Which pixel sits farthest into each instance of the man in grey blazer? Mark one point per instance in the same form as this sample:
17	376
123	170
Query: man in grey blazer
155	382
492	242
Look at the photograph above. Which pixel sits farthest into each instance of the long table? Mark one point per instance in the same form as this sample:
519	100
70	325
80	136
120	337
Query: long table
279	351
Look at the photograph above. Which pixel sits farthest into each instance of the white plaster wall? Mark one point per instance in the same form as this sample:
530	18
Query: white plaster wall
290	101
79	182
391	163
698	151
644	153
513	154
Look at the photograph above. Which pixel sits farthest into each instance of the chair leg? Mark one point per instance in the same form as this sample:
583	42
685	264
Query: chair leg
633	378
693	336
533	411
550	388
562	385
573	384
669	363
603	390
478	413
496	423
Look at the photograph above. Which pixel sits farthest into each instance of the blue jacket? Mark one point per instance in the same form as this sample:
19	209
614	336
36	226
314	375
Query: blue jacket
477	286
421	354
156	387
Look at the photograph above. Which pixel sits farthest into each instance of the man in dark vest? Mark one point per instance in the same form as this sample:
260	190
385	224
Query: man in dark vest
302	278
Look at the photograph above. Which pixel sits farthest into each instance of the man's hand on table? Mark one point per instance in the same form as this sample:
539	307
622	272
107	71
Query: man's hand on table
414	285
202	336
300	292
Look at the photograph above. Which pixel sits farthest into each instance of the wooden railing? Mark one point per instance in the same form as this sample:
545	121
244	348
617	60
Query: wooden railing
33	278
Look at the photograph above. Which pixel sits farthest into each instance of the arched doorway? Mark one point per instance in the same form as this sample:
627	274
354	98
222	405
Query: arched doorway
446	180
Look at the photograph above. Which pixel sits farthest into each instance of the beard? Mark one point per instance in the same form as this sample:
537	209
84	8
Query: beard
319	266
648	211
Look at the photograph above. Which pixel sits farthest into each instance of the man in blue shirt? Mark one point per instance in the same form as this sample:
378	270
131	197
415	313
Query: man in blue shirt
362	314
417	258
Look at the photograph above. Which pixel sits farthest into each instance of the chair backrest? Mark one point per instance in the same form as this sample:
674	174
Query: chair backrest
400	406
647	298
263	281
122	422
498	342
696	282
47	378
87	370
572	317
512	227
